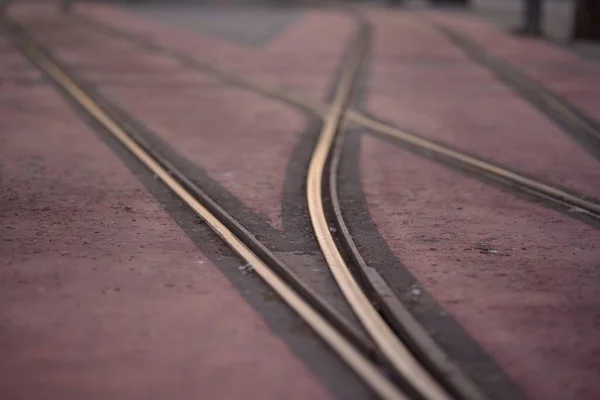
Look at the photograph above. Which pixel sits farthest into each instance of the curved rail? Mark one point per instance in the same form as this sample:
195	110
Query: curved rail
397	354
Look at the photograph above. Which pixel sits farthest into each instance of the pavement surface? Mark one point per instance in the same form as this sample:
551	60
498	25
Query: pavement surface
111	288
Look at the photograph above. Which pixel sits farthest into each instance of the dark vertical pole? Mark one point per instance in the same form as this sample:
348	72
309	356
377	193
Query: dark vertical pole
3	6
532	17
587	20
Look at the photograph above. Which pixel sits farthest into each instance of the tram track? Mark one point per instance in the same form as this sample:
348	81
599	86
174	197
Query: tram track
385	324
367	358
572	203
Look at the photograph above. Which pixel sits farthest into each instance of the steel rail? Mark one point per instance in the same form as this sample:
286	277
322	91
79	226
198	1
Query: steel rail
361	365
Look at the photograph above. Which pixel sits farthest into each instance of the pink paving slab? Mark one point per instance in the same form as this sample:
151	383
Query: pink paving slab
521	279
102	295
305	56
426	85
